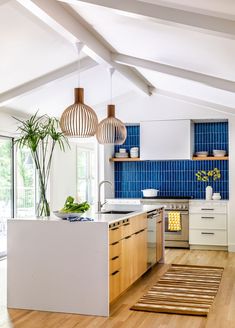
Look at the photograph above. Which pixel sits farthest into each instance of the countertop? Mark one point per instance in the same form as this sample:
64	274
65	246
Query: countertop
100	217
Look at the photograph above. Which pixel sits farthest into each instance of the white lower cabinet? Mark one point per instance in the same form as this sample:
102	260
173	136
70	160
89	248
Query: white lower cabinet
208	237
208	223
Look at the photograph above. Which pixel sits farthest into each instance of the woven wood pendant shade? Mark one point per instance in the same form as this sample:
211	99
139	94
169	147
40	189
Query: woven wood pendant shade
111	130
79	120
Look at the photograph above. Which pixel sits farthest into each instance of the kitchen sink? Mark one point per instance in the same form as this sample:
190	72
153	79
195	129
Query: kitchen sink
116	212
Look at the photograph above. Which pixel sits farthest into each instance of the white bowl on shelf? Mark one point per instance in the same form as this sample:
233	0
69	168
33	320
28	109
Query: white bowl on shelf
202	153
219	152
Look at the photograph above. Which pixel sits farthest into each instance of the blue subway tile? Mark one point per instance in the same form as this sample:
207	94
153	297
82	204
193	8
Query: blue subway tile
174	177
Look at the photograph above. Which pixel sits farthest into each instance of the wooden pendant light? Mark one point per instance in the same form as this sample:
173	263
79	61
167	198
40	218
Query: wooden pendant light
111	130
79	120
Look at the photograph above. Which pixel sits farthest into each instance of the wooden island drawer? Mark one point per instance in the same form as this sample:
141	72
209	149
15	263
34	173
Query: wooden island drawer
115	249
114	285
126	228
115	234
114	264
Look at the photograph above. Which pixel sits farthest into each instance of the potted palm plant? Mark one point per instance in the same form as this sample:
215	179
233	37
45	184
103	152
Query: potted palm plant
41	134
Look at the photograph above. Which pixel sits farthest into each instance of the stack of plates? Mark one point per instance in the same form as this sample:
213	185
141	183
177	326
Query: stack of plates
121	155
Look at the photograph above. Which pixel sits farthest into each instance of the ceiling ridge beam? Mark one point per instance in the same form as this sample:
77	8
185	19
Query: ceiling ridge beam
9	95
208	80
202	22
70	26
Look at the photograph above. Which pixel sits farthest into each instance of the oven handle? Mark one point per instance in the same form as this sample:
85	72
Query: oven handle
182	213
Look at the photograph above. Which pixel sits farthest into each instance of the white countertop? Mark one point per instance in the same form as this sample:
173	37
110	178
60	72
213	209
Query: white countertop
100	217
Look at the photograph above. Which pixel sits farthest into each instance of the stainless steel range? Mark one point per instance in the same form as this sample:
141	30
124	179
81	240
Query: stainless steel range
176	219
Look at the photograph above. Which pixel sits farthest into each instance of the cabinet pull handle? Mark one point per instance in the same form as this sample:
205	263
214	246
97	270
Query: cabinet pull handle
115	272
136	233
207	209
114	258
207	217
114	228
126	224
115	243
207	233
159	222
127	237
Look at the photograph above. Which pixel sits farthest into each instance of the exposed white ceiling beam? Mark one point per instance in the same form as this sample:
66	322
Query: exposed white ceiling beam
196	101
85	64
175	71
55	15
202	22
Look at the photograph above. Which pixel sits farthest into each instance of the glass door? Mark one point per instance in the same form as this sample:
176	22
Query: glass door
6	189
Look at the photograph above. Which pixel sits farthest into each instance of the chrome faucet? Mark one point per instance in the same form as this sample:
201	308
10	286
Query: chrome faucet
99	188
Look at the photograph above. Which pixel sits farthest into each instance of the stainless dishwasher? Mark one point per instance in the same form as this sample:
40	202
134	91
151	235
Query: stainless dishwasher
152	236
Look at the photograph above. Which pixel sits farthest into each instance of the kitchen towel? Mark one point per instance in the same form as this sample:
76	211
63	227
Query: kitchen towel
174	221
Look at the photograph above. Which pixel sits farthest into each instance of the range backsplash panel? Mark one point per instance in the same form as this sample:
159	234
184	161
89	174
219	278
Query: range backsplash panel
174	178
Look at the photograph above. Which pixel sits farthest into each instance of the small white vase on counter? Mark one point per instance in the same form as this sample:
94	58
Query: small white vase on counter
216	196
209	192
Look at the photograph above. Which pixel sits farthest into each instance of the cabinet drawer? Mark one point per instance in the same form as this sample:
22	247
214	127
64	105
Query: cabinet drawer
114	264
126	228
114	249
208	207
114	285
139	222
208	237
208	221
114	234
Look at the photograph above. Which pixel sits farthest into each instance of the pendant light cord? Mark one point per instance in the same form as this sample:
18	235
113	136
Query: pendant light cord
79	46
111	71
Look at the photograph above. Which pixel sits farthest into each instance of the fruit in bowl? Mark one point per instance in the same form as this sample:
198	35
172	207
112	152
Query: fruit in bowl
71	209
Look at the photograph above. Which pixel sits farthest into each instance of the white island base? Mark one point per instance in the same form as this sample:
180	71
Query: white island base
59	266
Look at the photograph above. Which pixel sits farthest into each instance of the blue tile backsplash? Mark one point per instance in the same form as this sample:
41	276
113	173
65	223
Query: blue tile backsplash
174	178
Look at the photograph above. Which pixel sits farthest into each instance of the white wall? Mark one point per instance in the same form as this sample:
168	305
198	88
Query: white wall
8	125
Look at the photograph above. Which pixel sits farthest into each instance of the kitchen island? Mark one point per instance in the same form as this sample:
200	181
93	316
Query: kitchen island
76	267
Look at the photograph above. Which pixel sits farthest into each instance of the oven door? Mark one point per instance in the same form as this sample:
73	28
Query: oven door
177	235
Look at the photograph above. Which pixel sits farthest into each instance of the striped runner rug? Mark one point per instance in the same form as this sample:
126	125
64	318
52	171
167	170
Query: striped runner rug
183	289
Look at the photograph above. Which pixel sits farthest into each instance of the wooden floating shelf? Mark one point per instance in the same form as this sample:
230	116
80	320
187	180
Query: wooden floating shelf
210	158
127	159
195	158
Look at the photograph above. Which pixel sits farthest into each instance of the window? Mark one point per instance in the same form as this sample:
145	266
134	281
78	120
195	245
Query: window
25	183
18	198
86	172
6	190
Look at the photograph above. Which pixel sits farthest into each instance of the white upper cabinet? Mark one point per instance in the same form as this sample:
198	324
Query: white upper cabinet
166	140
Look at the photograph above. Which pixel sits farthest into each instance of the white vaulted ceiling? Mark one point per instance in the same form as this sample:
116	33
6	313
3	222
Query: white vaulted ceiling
193	61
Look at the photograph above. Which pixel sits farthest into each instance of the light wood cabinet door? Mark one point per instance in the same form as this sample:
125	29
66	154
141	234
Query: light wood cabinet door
159	240
140	255
127	262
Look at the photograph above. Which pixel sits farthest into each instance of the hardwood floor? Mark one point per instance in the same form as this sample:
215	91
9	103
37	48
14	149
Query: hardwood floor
222	314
